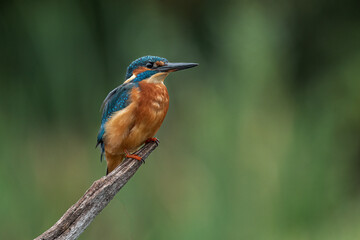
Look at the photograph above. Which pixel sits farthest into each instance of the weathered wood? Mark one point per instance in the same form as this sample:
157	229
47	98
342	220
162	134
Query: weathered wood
95	199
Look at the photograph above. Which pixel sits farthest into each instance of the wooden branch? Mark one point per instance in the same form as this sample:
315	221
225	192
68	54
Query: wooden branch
95	199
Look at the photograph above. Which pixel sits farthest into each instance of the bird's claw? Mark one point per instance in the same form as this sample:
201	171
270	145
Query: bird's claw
154	139
134	156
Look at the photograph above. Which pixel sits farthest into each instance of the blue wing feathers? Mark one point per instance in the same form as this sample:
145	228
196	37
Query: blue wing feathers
116	100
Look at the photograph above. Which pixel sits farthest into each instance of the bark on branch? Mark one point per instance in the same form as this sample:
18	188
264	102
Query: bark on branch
95	199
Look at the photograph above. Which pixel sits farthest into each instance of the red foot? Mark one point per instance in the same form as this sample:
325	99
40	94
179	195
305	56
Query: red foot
134	156
154	139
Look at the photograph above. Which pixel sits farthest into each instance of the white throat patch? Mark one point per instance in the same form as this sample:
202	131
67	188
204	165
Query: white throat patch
157	78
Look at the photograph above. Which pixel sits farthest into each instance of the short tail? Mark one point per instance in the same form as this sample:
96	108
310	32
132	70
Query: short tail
101	143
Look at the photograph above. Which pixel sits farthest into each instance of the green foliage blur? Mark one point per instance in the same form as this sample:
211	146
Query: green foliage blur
262	140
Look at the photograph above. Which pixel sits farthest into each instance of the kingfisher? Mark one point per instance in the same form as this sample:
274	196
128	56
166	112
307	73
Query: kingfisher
133	112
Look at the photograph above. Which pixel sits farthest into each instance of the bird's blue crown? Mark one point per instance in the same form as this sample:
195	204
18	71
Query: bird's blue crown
141	62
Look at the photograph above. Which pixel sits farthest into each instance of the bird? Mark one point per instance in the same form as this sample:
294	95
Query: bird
133	112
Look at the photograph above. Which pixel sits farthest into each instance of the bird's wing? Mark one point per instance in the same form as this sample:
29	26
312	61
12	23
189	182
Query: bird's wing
116	100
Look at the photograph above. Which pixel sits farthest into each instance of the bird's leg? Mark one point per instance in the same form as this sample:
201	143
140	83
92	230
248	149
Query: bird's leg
153	139
134	156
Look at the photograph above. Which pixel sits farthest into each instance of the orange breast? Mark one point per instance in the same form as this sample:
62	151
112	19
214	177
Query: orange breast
152	106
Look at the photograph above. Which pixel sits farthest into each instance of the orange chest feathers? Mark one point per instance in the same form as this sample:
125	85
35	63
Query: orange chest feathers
152	103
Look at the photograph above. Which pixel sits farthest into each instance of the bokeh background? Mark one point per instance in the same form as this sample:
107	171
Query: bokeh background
262	140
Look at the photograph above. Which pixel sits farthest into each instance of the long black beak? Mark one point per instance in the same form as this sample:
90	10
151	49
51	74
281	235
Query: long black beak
172	67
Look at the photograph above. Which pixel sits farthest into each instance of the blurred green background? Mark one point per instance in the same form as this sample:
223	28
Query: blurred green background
262	140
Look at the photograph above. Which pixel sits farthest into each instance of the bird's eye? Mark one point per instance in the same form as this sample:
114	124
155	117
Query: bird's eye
149	64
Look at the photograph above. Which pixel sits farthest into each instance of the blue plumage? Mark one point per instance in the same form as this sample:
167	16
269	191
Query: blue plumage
115	101
142	62
143	75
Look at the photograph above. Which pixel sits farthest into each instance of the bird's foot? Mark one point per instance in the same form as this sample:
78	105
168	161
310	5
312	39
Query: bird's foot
154	139
134	156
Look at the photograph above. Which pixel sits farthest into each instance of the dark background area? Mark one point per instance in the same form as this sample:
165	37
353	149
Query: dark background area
262	140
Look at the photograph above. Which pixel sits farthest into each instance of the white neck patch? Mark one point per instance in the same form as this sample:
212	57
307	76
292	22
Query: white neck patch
130	78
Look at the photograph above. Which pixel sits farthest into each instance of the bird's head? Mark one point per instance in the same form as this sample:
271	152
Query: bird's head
154	69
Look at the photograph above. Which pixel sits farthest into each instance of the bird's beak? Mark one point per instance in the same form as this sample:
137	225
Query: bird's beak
172	67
